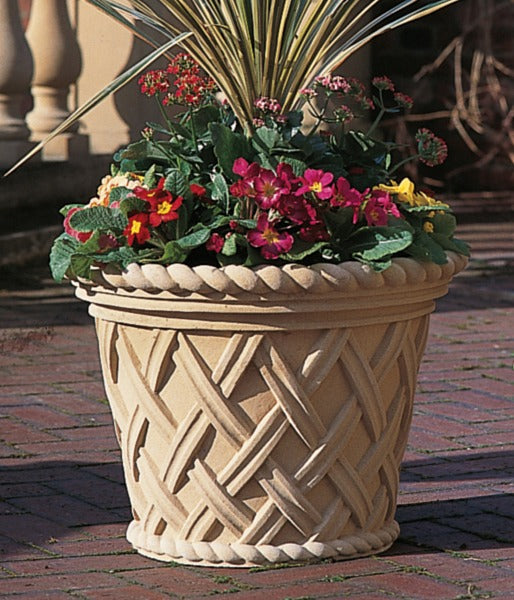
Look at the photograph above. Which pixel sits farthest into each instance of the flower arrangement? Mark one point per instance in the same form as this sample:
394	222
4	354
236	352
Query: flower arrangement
198	189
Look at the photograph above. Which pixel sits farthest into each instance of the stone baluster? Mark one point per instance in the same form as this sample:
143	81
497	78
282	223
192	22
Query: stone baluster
57	65
16	69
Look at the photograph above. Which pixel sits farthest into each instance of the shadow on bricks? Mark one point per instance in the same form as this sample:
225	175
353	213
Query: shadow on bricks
46	501
73	501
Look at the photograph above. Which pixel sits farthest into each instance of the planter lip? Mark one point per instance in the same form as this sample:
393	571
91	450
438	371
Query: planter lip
233	281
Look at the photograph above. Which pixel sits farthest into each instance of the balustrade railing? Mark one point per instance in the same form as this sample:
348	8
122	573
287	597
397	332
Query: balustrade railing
54	55
16	69
57	65
37	69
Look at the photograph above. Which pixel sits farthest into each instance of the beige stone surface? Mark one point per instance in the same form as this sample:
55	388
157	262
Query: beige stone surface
263	415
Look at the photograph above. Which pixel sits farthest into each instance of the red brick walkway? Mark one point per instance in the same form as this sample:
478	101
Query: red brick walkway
63	506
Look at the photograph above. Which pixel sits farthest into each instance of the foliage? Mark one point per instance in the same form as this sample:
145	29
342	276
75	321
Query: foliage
198	189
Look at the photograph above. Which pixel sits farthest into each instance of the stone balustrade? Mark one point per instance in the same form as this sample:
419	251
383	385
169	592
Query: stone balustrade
55	55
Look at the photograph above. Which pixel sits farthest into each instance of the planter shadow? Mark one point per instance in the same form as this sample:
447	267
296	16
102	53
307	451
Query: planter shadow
63	499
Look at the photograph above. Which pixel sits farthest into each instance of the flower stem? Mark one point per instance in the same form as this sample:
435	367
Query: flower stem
403	162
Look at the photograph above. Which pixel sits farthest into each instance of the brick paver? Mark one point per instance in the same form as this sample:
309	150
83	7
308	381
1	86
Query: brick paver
64	509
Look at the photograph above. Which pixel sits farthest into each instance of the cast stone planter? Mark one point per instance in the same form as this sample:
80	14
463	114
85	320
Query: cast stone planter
263	414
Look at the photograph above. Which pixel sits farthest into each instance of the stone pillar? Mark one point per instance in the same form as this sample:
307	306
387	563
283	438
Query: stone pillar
16	69
57	65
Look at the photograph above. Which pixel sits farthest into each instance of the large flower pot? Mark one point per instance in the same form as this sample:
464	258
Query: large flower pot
263	414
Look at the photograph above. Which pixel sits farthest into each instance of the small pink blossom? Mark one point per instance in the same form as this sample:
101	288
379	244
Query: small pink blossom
403	100
268	105
308	93
383	83
215	243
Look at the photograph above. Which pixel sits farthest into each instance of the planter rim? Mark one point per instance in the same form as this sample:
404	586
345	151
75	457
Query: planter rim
233	281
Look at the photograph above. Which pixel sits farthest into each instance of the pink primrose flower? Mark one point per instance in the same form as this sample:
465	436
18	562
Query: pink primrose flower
318	182
266	237
296	208
345	196
242	167
378	207
286	174
269	188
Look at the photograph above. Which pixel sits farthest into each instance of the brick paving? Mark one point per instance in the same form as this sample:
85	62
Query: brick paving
63	506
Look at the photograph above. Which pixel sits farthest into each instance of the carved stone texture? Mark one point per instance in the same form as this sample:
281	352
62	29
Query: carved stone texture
267	429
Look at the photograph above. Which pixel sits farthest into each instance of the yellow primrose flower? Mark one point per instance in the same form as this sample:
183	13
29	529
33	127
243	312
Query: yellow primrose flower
405	193
428	227
404	190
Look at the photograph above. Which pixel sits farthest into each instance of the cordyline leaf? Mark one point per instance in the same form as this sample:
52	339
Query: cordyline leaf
272	47
114	86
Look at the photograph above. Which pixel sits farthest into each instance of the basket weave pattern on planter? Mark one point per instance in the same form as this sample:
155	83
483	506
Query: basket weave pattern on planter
266	429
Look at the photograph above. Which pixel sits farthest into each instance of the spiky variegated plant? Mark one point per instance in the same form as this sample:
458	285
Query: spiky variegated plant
254	48
270	48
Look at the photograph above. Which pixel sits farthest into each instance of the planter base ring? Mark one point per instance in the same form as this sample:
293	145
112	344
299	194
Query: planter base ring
217	554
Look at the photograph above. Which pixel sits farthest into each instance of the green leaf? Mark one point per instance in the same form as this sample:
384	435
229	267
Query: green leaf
118	194
230	246
265	137
247	223
96	218
301	250
220	191
176	183
339	223
80	265
425	208
228	146
376	243
450	243
66	209
124	255
133	204
150	178
425	246
173	253
193	240
203	117
62	250
444	223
